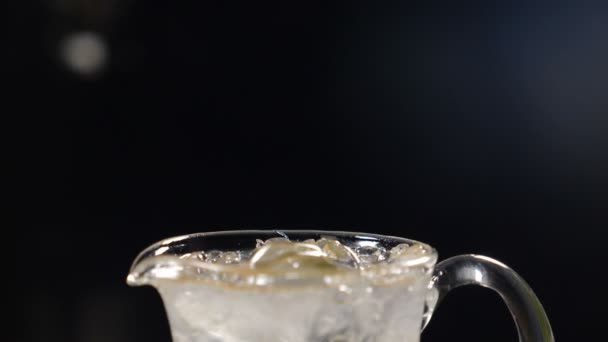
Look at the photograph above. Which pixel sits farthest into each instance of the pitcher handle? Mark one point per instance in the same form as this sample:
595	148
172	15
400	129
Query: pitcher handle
530	317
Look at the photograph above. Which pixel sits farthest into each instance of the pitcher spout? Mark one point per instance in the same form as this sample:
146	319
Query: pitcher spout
158	262
151	271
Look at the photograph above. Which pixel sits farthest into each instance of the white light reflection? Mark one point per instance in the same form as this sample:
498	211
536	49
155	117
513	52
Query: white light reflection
161	250
478	275
174	239
364	243
166	272
85	53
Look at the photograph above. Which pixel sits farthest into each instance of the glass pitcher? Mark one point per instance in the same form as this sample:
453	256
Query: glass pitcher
215	287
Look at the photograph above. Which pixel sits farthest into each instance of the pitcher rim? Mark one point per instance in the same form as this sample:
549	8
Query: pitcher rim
164	250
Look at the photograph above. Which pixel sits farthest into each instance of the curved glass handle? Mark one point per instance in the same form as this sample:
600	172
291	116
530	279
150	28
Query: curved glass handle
530	317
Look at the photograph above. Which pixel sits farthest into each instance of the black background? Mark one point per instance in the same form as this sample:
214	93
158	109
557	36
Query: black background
472	126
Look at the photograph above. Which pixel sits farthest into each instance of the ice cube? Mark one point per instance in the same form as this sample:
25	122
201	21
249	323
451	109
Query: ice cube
198	255
399	249
259	243
280	250
187	256
338	253
212	256
405	253
280	239
228	258
371	254
245	254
